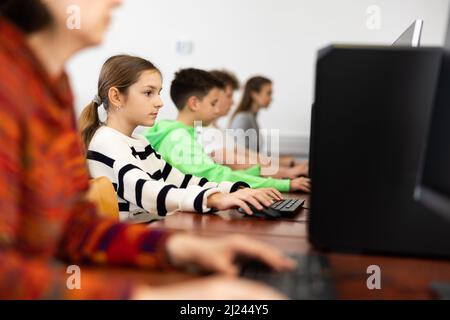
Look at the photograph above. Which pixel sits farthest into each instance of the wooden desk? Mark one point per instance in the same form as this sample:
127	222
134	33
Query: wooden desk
232	221
402	278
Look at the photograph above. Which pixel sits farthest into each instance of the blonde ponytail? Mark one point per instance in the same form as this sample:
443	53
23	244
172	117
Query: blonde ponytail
88	123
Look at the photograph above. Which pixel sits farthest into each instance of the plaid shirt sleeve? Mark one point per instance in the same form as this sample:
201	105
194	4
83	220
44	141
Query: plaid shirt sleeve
44	217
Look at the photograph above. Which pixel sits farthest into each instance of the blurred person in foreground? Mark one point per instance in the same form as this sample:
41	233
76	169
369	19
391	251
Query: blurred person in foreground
45	218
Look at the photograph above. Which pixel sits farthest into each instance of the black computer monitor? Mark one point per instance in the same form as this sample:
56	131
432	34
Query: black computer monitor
433	189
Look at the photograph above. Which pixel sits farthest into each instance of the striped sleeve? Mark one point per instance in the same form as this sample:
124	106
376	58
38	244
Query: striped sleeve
158	192
189	180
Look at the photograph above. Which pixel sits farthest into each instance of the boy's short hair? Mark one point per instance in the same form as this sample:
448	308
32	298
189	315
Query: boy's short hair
193	82
228	78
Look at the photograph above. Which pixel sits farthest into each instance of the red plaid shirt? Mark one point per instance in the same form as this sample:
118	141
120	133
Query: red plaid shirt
43	179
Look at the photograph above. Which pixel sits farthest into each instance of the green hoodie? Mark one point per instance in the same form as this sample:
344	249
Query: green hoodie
178	145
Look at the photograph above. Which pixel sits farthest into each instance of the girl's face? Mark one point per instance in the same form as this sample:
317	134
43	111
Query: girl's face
84	21
263	98
141	105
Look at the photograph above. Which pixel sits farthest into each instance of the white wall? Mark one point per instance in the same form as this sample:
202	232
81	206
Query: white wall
275	38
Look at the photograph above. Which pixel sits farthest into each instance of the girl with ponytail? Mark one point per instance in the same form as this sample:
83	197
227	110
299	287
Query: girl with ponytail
258	95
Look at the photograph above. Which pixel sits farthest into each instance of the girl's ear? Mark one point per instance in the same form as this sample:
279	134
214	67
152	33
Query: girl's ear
192	103
115	98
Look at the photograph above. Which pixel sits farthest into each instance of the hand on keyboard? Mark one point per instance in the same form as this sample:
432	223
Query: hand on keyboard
244	198
218	254
301	184
278	209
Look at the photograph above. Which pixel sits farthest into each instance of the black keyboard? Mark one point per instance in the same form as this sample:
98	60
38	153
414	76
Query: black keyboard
288	205
310	281
279	209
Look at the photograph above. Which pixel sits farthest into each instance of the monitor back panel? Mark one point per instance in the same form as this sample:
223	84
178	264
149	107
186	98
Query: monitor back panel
369	123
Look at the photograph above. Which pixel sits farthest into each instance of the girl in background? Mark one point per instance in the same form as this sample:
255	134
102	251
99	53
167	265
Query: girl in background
219	148
257	96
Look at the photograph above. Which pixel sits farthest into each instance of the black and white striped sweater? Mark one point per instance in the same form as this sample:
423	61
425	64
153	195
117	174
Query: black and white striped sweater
148	188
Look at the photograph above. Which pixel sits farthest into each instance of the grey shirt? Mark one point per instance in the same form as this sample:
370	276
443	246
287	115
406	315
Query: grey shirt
247	121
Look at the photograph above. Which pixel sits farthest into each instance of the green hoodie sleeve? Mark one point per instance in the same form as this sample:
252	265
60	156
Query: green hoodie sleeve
253	171
180	149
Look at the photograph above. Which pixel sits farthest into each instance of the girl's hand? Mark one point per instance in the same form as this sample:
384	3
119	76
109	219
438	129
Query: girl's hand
301	184
219	255
258	198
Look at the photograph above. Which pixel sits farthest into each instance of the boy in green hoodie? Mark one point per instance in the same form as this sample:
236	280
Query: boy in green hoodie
196	93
